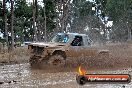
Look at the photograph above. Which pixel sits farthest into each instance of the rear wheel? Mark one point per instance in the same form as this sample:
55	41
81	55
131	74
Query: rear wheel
103	59
103	55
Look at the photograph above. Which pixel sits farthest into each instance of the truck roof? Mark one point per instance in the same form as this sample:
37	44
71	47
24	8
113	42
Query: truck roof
73	34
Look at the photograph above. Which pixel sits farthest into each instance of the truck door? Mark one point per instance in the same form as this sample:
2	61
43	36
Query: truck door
76	46
87	50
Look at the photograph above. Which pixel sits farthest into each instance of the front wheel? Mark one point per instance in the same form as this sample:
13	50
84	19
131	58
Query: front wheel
56	60
103	55
34	62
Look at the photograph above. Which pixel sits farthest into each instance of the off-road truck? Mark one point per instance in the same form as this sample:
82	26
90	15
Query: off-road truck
62	45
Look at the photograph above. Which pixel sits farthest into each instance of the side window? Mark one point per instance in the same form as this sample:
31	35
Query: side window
77	41
89	40
85	41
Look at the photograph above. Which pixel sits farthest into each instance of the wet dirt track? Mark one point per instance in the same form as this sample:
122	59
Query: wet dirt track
22	76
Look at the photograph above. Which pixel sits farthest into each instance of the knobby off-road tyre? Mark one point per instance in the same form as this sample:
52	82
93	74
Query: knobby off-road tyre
34	62
56	60
103	59
103	55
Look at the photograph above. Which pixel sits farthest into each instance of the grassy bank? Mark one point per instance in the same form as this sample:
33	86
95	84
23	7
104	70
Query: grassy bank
19	55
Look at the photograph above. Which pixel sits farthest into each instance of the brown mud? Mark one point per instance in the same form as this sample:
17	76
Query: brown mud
23	76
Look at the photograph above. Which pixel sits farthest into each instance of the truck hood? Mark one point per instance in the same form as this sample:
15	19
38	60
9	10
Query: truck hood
49	44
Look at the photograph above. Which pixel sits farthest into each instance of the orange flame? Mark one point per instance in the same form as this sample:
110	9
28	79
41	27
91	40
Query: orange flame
81	71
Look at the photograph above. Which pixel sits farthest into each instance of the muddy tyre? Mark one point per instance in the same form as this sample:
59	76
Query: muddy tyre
103	60
56	60
34	62
104	55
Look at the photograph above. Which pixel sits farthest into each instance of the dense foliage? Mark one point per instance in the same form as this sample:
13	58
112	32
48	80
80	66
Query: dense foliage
69	15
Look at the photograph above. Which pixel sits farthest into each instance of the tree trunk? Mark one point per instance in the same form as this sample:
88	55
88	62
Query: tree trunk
45	30
63	19
5	22
34	20
129	32
12	22
59	24
39	31
65	14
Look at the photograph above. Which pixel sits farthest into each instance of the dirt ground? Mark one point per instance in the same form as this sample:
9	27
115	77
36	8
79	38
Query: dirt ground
21	75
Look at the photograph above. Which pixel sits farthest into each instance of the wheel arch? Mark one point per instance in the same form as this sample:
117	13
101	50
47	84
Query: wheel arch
103	52
60	52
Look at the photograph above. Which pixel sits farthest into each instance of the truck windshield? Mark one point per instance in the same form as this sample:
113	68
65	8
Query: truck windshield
63	38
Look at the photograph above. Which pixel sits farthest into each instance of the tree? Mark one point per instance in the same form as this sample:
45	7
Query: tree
45	27
119	11
49	14
82	15
5	22
12	24
23	21
34	19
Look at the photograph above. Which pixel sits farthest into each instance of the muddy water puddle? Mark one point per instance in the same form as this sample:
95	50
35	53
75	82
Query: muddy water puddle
22	76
